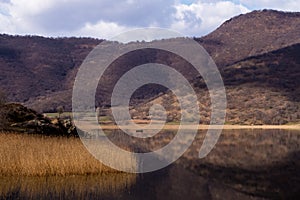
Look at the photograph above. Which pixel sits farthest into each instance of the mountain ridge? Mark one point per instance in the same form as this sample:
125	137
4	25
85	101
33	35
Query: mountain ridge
39	72
252	34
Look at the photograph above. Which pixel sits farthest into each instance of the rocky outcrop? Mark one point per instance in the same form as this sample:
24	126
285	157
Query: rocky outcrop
18	118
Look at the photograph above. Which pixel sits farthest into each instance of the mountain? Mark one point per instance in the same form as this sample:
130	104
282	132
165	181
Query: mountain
33	68
257	53
252	34
261	89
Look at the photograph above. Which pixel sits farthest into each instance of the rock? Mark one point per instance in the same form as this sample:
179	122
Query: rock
21	119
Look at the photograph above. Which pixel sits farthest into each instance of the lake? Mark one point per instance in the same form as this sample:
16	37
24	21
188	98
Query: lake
245	164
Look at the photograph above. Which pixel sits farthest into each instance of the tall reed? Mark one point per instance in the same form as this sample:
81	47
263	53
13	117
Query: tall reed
36	155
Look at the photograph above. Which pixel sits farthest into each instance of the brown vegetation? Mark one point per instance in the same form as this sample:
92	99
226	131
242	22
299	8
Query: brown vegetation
67	187
40	71
260	90
256	52
36	155
252	34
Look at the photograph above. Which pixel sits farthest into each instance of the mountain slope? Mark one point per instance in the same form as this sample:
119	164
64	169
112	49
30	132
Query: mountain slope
265	89
34	67
39	72
262	89
252	34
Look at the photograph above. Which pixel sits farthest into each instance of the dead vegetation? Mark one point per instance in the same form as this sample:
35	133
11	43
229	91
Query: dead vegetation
36	155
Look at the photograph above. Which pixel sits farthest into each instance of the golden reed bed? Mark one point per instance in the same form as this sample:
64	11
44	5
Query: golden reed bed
36	155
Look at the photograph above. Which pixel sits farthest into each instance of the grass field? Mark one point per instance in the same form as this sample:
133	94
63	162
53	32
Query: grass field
54	115
66	187
35	155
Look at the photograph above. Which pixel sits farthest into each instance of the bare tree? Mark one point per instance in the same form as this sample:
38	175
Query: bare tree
60	110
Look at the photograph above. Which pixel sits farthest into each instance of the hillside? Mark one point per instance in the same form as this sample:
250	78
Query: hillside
261	89
252	34
256	52
35	67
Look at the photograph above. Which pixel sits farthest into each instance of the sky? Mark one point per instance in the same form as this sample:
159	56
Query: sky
107	18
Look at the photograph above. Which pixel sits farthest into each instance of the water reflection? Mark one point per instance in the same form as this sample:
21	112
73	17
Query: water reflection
108	186
245	164
171	183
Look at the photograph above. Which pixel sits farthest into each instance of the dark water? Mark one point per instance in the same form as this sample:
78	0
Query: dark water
170	183
245	164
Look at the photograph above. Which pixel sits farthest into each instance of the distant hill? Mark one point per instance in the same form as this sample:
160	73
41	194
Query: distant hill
33	68
252	34
263	89
256	53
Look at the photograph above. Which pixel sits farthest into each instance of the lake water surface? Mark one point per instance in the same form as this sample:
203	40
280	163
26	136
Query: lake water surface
245	164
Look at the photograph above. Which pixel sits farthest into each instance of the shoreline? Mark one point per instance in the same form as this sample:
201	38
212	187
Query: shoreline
202	127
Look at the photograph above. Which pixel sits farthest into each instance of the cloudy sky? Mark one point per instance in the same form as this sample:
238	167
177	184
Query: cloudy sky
106	18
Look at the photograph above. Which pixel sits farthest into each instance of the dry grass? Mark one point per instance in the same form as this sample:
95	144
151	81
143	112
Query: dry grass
66	187
35	155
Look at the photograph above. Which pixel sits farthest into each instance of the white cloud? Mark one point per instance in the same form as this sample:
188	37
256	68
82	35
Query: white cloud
201	18
16	14
104	18
23	8
49	17
100	30
285	5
